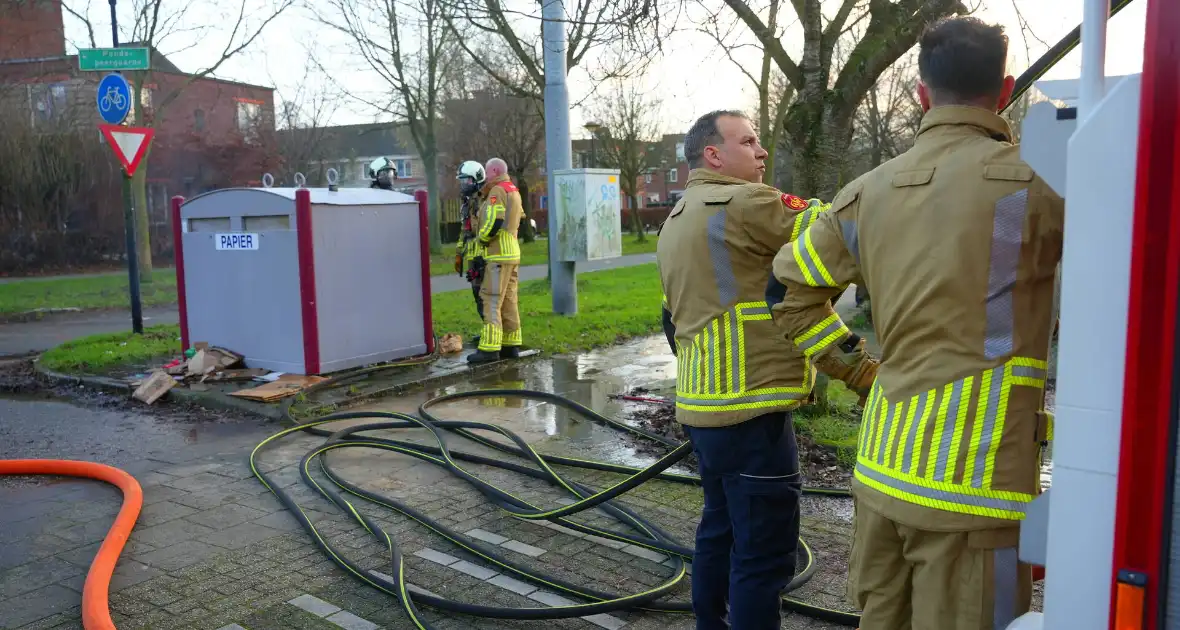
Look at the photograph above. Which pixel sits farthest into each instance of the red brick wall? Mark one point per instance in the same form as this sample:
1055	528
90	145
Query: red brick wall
31	29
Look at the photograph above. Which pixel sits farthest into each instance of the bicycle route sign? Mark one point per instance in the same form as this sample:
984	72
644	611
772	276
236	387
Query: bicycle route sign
114	99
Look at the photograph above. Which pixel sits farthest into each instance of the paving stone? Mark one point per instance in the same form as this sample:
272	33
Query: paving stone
513	584
162	512
643	552
606	542
474	570
179	555
31	548
34	575
520	547
280	520
161	536
314	605
202	482
486	536
550	598
436	556
349	621
232	626
37	604
227	515
240	536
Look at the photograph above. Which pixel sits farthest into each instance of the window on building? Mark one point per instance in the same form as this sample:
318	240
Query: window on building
647	178
199	119
680	152
249	114
48	101
672	175
405	168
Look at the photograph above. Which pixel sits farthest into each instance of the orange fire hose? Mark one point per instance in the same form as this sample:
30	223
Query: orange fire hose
96	614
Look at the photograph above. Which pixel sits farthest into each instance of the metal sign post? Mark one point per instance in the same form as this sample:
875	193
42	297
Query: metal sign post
130	144
563	282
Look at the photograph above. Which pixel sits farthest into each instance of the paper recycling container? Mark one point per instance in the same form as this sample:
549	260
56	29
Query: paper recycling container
304	281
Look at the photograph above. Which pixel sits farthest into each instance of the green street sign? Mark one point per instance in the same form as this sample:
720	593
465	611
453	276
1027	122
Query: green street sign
114	59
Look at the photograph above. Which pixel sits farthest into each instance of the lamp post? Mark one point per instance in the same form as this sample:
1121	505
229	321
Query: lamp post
593	128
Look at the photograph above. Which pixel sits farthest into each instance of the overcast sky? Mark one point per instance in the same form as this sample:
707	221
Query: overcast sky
692	76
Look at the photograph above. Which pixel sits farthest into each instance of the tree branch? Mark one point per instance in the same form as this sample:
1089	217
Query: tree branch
769	41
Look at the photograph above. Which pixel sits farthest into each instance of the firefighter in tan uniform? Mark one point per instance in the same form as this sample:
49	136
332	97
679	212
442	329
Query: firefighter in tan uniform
499	219
949	445
736	385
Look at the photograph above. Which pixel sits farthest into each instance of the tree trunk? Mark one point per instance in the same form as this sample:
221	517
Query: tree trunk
526	208
433	203
143	234
636	220
821	150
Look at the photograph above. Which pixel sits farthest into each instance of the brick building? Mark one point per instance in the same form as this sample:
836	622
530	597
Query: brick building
210	133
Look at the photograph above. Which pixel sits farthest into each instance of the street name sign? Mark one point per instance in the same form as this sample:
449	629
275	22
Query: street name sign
114	59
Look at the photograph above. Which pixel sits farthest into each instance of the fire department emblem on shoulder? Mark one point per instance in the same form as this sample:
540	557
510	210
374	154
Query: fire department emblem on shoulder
492	199
793	202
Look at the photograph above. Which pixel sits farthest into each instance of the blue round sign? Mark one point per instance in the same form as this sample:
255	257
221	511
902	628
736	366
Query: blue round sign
114	98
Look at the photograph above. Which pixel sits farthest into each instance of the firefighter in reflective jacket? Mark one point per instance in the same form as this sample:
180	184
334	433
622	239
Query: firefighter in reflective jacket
948	451
736	380
469	252
499	219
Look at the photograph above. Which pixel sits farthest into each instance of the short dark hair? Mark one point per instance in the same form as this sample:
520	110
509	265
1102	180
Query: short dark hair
963	59
703	133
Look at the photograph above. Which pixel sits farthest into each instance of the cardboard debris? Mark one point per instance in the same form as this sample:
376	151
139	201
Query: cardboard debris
450	344
154	387
236	375
286	385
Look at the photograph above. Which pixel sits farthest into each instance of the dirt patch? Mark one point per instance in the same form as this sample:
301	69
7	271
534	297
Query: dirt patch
819	464
18	378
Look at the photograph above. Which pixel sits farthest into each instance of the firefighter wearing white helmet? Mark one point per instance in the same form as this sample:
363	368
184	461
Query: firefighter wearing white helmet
469	250
384	173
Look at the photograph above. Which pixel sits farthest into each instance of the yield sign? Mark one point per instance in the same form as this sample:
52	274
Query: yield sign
130	144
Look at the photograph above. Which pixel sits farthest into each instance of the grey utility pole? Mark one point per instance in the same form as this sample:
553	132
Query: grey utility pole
563	280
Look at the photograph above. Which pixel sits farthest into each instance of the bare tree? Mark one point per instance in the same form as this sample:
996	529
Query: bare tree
629	140
774	91
888	119
606	38
486	119
820	119
168	27
301	121
408	44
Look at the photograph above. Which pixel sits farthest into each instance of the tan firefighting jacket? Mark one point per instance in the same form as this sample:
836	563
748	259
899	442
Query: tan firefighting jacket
499	219
957	240
714	255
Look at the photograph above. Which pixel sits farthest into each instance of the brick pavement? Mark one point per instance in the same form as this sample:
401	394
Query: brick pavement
214	549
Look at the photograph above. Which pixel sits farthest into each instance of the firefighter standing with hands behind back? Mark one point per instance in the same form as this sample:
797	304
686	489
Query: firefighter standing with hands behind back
738	381
947	459
499	219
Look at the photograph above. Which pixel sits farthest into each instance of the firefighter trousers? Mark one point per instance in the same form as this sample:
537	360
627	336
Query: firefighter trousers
747	540
905	578
501	320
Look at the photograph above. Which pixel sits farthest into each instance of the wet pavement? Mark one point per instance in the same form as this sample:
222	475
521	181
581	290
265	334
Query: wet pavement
214	548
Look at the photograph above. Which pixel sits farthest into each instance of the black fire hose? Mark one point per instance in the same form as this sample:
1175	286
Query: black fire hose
642	532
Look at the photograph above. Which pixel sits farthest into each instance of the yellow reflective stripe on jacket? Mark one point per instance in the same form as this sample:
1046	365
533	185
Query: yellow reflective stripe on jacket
894	457
711	369
822	335
810	265
804	219
494	212
509	247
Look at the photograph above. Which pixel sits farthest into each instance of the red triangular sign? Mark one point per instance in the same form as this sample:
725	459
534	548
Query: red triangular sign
130	144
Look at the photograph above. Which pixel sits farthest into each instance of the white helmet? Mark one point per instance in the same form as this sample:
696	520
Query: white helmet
472	169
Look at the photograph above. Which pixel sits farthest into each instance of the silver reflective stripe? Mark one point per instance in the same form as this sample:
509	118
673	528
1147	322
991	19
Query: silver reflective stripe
920	408
948	432
1007	505
493	315
990	416
1006	582
739	400
851	239
719	254
821	335
802	252
802	220
884	448
1007	235
755	310
710	359
1030	372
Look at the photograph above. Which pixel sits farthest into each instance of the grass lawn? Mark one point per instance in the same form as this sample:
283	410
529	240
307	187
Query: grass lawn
110	291
105	291
835	427
612	306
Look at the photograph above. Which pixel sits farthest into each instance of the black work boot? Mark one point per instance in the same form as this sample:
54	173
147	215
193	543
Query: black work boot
482	356
510	352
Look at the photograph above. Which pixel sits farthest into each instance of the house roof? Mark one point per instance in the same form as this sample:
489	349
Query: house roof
363	140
